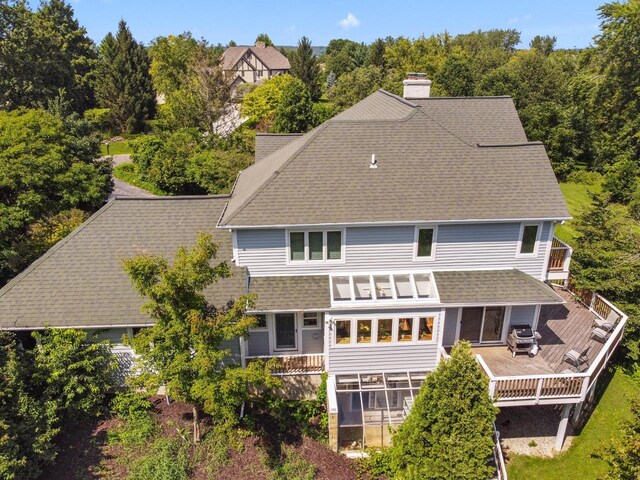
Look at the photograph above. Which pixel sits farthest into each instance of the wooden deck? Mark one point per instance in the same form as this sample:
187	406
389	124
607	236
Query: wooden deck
562	327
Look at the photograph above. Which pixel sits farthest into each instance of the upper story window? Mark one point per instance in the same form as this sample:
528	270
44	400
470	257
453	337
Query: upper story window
529	239
316	246
425	243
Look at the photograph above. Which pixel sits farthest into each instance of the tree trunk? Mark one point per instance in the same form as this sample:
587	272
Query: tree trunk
196	426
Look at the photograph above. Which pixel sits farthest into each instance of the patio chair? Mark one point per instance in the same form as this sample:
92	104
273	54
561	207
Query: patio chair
600	334
607	323
577	358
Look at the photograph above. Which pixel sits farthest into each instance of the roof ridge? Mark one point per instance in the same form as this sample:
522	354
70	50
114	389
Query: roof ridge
275	173
18	278
476	97
267	134
500	145
171	197
399	98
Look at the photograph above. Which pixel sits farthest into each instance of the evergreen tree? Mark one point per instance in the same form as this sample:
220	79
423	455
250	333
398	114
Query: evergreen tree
294	113
124	83
375	54
304	66
263	37
449	431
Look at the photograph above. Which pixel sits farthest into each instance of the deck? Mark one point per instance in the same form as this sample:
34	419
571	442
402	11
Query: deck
563	328
546	378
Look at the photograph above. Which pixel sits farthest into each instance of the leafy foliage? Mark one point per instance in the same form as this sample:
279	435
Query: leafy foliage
356	85
124	84
260	104
623	454
448	433
185	349
294	113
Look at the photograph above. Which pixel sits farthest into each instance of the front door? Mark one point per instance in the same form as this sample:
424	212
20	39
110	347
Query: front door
286	331
482	324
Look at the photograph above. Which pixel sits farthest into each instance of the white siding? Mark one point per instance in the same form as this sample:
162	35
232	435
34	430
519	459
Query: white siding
450	327
459	247
258	343
523	315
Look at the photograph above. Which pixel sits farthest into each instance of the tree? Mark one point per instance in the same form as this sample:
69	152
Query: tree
185	349
124	83
75	371
343	56
375	54
353	87
623	454
621	180
171	57
455	77
263	37
294	113
47	165
544	44
448	433
304	66
260	104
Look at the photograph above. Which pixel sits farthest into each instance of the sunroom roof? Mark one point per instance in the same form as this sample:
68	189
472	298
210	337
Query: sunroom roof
384	288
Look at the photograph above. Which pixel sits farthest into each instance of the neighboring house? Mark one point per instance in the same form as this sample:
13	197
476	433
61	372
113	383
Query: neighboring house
373	243
253	64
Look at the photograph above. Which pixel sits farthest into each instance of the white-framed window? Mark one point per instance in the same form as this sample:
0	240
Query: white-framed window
424	243
261	324
315	246
366	330
529	239
311	320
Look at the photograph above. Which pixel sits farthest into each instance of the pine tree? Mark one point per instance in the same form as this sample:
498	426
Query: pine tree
448	433
304	66
124	83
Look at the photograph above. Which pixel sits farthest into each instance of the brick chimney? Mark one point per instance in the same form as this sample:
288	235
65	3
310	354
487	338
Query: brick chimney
260	45
416	86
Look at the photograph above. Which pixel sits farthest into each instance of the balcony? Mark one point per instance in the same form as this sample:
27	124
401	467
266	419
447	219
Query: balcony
294	364
547	378
559	260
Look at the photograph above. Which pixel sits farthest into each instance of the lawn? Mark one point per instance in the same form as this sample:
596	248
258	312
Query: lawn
116	148
577	197
128	173
612	410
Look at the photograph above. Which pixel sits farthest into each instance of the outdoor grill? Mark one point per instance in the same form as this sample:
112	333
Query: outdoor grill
522	339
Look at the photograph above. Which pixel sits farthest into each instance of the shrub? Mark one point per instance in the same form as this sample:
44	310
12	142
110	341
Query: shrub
376	465
101	120
294	467
584	177
167	460
130	405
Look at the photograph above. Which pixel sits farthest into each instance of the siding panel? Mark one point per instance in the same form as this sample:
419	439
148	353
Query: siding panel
523	315
258	343
450	326
459	247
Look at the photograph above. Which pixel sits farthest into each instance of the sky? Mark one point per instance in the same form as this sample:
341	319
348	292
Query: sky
573	22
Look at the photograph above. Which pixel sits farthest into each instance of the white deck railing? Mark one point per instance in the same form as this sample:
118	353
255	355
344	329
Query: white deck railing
294	364
501	467
559	260
558	388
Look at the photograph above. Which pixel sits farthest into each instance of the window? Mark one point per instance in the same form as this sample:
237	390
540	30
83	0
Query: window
261	322
343	332
316	246
364	331
425	328
405	329
311	320
296	242
425	238
384	330
482	324
529	239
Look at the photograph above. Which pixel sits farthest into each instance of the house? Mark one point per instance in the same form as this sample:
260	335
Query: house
253	64
373	243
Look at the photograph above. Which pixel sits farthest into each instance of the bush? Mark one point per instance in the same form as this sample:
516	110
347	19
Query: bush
167	460
130	405
139	424
584	177
294	467
100	118
376	465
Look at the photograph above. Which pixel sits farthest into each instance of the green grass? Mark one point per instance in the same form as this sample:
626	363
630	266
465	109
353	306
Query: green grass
128	173
577	198
612	410
116	148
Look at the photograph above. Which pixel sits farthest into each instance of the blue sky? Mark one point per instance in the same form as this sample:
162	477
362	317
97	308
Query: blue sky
573	22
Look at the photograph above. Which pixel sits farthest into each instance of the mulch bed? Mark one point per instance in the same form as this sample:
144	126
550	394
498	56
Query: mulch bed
85	454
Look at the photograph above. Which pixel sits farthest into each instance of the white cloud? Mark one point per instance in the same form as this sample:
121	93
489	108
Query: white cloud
350	21
515	20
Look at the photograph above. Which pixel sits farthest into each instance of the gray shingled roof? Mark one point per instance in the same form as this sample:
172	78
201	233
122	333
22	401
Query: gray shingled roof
270	56
291	293
80	281
430	167
493	287
267	143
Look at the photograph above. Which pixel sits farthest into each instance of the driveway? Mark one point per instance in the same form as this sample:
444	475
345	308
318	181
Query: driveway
122	189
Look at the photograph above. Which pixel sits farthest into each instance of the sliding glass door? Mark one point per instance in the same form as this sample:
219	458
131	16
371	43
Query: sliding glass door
482	324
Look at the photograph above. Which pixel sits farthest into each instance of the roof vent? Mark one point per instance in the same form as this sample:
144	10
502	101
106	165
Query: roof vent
374	162
416	86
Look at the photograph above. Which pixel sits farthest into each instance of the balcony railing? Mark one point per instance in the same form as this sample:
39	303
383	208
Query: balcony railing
294	364
559	260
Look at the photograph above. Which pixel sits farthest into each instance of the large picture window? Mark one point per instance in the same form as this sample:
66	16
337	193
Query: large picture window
316	246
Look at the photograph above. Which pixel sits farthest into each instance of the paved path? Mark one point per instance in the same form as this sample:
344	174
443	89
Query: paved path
123	189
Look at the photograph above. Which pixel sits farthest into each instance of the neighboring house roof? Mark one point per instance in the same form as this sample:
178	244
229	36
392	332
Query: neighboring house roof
269	56
291	293
267	143
497	287
441	159
81	282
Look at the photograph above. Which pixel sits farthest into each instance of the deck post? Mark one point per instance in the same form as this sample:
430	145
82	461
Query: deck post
562	428
592	393
576	413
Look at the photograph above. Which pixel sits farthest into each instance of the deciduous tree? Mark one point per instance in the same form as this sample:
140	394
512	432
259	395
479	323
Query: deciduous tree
294	113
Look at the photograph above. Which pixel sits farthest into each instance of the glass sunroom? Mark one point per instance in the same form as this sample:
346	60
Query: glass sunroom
367	404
